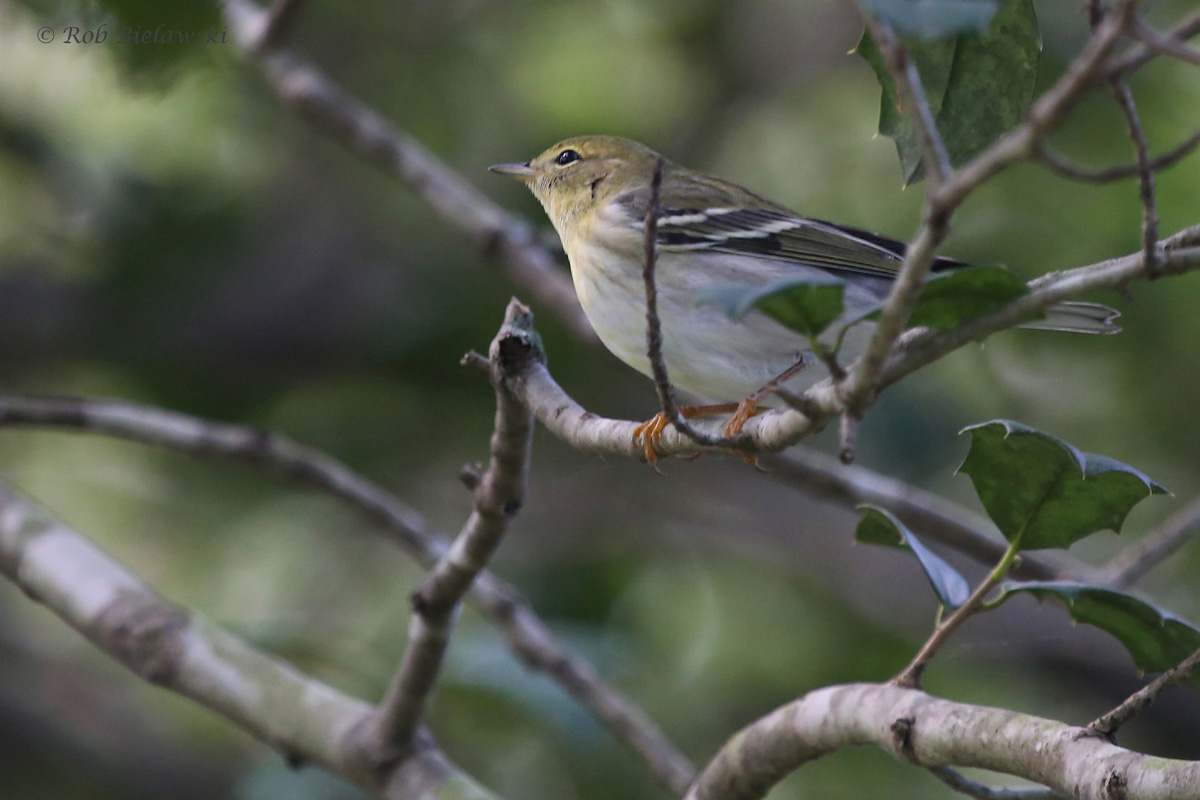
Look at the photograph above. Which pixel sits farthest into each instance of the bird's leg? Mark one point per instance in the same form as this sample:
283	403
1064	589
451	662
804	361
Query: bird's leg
649	433
749	407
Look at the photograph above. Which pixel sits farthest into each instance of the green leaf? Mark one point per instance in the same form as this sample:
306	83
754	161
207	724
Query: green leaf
879	526
1041	489
807	305
1157	639
934	61
978	85
960	295
933	19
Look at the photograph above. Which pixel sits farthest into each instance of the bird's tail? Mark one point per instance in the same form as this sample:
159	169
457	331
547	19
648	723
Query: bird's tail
1078	318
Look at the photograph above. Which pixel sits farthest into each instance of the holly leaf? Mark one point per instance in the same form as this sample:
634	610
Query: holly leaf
1155	638
978	84
807	305
880	526
933	19
957	296
1045	492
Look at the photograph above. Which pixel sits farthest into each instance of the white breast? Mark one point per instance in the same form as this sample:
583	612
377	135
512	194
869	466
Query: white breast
706	353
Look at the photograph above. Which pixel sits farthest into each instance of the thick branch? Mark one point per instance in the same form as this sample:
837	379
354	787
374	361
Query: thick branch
169	646
529	638
357	126
927	731
498	496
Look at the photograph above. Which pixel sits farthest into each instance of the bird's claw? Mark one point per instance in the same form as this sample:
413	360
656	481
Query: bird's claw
745	410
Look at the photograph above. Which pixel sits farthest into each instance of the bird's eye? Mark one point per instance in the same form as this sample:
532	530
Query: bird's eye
566	157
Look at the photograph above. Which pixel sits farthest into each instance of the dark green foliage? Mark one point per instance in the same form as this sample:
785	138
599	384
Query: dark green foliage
807	305
879	526
1155	638
933	19
1037	487
978	84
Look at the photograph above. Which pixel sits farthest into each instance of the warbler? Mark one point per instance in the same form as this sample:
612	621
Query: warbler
711	232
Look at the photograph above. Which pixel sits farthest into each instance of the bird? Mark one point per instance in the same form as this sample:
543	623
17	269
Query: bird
711	232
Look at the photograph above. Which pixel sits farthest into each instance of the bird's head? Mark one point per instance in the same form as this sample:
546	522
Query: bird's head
574	176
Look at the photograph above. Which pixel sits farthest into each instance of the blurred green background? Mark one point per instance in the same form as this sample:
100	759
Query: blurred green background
170	233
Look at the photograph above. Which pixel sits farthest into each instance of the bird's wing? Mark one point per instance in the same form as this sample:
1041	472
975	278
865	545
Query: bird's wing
725	222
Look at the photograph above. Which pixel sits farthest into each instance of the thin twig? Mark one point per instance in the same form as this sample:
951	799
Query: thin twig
961	783
1168	45
1108	724
1063	166
498	496
1141	150
847	436
910	676
1138	56
1132	563
860	387
654	335
527	635
1145	175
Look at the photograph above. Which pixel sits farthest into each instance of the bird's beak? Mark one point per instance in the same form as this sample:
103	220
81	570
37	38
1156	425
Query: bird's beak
518	171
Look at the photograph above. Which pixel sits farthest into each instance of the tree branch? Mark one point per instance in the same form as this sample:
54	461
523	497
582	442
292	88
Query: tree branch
1171	45
1128	567
170	647
529	638
960	783
1141	149
654	336
910	676
498	495
1137	702
782	428
494	230
825	478
278	23
1139	56
927	731
1062	166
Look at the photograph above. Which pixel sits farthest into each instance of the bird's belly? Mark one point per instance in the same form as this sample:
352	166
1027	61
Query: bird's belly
706	353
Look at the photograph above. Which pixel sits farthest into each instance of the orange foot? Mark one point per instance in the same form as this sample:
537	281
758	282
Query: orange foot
745	410
649	434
